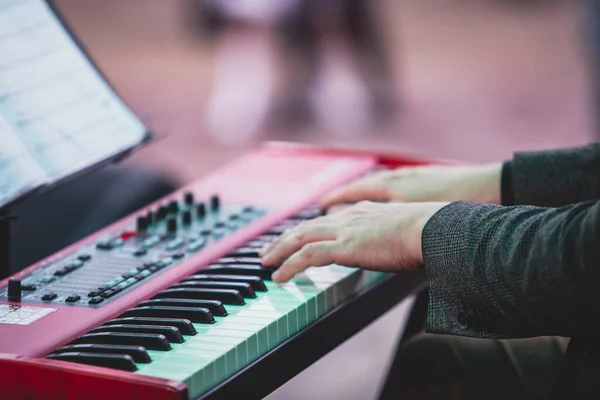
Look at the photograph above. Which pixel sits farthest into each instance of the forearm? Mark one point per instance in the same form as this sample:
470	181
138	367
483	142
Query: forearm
513	271
552	178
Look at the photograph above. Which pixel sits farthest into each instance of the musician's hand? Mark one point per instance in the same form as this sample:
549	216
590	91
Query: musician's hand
480	183
377	236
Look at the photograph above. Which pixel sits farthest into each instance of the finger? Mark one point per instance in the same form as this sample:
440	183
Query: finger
293	240
354	192
316	254
337	208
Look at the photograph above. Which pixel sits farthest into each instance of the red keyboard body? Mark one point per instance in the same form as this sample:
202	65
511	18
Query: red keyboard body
281	178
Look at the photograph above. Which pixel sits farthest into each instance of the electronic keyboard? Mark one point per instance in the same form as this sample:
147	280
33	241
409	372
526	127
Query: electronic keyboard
173	303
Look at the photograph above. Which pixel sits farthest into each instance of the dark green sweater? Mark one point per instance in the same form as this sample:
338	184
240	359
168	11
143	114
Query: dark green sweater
531	269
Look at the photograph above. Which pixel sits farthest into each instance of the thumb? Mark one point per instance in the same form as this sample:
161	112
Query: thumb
355	192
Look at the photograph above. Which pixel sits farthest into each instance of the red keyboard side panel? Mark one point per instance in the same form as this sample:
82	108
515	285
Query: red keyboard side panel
29	378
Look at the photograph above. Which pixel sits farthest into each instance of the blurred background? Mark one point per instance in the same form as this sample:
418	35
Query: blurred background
473	80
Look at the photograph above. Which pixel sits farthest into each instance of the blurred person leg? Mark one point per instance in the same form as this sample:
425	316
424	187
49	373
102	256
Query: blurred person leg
366	39
430	366
245	72
51	221
297	41
340	95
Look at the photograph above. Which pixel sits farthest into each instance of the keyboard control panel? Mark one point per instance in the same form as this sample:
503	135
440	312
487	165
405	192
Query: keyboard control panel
158	240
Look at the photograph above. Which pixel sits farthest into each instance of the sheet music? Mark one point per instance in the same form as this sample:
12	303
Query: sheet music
18	174
56	103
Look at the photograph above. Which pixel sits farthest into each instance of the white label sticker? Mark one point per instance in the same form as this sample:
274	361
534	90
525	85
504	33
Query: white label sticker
22	315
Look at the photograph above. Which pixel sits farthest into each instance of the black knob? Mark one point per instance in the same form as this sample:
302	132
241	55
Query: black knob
174	207
189	198
150	217
215	202
171	225
161	213
14	289
141	223
200	210
186	217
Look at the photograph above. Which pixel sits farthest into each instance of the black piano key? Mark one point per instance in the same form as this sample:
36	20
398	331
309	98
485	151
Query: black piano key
252	270
210	305
200	315
138	353
214	306
309	213
184	325
239	260
225	296
122	362
244	288
254	281
172	334
151	341
248	251
279	229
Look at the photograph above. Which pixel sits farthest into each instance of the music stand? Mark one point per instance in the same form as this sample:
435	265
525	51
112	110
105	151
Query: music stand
101	97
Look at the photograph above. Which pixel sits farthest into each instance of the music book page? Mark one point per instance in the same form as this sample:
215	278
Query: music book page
53	99
18	171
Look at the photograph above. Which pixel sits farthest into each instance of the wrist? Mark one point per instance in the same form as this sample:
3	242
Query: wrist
490	183
429	210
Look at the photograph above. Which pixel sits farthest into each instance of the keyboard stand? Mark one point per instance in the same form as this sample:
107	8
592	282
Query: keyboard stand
282	363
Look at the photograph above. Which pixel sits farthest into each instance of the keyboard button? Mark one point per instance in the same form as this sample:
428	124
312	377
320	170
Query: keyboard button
137	353
140	252
73	298
184	325
215	307
174	244
104	245
75	264
49	296
150	341
84	257
196	245
244	288
111	292
172	334
95	300
150	242
94	293
254	281
115	361
201	315
253	270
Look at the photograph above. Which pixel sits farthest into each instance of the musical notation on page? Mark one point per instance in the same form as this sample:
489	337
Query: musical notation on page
55	101
18	174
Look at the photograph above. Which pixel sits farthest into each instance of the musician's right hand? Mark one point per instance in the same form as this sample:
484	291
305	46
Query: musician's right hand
479	183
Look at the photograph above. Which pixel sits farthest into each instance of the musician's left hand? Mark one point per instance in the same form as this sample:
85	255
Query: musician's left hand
376	236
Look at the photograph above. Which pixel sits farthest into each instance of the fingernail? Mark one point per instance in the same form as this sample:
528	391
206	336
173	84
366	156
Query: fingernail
263	250
275	276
